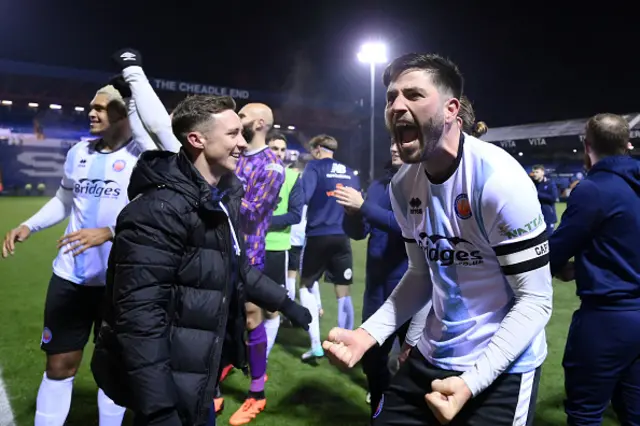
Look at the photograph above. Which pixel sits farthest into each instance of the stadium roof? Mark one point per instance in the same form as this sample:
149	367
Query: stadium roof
547	130
100	77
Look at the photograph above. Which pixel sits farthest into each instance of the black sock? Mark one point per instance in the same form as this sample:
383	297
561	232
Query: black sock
256	395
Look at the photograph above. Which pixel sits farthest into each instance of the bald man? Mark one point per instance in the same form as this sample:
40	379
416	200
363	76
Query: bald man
262	175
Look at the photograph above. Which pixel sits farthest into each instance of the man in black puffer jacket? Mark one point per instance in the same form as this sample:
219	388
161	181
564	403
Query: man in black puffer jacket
177	279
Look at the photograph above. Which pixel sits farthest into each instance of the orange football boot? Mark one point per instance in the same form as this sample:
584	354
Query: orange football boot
248	411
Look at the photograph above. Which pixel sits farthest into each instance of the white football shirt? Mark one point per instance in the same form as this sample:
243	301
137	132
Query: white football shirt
476	229
99	184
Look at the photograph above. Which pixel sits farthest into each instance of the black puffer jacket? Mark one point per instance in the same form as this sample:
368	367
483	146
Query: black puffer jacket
172	296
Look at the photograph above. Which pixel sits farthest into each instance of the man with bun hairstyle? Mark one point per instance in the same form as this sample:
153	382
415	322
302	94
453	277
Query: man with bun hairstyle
457	201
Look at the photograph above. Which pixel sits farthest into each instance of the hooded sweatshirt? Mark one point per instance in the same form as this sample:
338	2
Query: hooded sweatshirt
601	228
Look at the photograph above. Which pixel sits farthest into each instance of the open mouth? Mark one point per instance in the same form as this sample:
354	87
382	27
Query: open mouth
235	155
406	132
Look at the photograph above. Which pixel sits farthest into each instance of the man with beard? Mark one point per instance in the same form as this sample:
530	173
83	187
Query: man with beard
467	121
262	175
457	201
600	229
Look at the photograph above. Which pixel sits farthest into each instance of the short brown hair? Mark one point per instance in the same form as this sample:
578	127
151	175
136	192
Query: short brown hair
195	111
276	136
324	141
444	73
538	167
608	134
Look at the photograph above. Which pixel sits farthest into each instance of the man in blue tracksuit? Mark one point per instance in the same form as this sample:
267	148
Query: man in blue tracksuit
386	263
547	195
326	247
601	228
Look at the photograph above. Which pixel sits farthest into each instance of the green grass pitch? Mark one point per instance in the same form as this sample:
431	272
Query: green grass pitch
297	394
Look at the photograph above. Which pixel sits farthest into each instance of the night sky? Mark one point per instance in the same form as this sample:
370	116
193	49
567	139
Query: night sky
522	61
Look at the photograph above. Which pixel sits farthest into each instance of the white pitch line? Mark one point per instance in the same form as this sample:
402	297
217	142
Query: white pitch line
6	413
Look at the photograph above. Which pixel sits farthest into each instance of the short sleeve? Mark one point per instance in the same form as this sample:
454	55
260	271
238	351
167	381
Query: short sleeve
399	206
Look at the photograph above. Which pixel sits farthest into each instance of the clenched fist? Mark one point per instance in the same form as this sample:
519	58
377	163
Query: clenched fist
447	398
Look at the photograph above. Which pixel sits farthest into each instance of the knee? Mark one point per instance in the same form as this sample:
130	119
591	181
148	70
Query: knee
62	366
342	291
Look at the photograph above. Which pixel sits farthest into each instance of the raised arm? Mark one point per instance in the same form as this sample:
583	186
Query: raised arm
140	134
152	112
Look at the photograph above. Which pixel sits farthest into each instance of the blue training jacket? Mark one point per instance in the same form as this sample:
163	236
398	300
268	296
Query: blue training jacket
601	228
319	180
548	195
386	254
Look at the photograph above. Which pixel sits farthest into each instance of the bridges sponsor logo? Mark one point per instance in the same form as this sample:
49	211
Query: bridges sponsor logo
99	188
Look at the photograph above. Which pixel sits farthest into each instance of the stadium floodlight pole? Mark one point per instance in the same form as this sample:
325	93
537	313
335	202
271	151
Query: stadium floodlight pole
372	54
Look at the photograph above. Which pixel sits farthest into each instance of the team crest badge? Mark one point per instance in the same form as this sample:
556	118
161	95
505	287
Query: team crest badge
379	409
462	206
46	335
119	165
348	274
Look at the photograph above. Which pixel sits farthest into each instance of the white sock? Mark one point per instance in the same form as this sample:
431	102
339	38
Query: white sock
271	326
309	301
53	402
291	288
110	413
316	293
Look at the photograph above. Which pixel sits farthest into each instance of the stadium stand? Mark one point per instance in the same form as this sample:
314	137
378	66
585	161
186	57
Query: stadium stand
43	111
556	145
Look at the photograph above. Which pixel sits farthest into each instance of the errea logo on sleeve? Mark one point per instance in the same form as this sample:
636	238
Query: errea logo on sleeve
415	206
